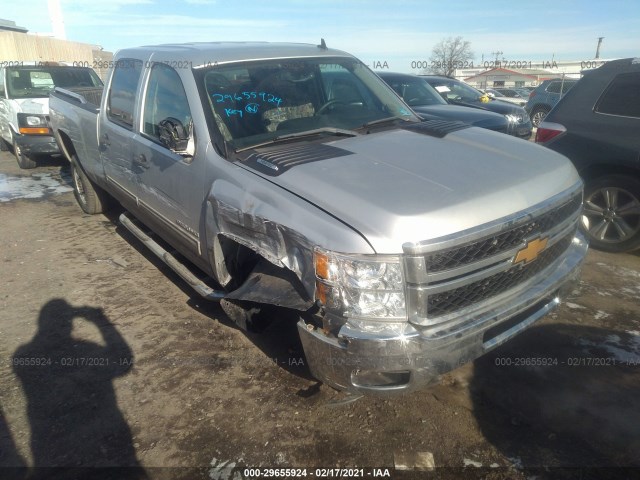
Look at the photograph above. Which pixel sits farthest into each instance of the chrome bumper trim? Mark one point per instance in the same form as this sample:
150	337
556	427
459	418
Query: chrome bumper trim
424	353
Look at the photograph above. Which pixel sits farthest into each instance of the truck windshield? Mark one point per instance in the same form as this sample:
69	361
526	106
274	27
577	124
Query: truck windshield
38	82
254	102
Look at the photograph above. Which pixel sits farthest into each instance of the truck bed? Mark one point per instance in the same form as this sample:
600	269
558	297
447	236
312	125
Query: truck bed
73	117
86	97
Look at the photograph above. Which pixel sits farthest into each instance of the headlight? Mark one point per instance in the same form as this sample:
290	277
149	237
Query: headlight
34	121
363	286
511	118
33	124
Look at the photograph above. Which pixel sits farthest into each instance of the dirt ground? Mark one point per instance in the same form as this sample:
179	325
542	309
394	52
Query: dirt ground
108	359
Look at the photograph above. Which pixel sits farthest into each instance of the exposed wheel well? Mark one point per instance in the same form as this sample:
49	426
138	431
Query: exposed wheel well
66	145
248	276
233	262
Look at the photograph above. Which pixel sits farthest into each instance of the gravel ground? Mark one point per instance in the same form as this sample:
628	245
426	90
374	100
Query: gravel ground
125	366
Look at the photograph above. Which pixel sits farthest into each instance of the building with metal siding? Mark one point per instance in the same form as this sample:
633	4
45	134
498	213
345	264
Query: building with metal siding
16	45
516	77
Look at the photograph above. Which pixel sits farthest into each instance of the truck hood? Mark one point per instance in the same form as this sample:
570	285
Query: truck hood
400	186
33	105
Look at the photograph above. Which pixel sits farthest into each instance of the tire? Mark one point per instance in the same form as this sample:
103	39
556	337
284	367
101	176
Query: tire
24	162
611	214
249	316
91	198
537	115
4	146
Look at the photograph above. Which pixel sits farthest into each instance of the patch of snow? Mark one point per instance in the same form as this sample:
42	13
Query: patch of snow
603	293
622	271
623	351
37	185
468	462
574	306
223	470
600	315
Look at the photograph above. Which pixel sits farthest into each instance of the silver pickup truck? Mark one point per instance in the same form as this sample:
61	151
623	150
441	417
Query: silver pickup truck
290	175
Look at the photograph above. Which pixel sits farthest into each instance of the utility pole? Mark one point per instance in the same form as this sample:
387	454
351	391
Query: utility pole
57	21
496	54
598	49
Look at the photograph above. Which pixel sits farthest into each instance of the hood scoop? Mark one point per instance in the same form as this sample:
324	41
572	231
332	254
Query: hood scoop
436	128
275	161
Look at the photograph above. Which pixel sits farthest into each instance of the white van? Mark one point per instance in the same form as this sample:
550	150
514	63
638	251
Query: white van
24	105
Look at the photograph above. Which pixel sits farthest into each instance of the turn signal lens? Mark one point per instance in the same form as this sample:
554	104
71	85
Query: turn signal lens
322	265
35	131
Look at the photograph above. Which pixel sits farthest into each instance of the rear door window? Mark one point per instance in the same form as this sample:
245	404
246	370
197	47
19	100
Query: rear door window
554	87
165	99
122	94
567	86
622	97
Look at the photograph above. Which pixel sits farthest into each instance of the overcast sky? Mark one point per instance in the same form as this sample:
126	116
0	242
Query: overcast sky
396	32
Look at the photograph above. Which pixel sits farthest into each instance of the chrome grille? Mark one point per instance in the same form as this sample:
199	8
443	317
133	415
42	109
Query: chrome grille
456	257
452	300
450	277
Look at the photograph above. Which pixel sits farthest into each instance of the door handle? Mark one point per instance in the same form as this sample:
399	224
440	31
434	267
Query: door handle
104	140
141	160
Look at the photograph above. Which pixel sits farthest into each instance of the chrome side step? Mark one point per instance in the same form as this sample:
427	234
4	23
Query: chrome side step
183	272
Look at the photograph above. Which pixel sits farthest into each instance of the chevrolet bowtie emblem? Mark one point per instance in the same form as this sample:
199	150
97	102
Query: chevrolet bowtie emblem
531	251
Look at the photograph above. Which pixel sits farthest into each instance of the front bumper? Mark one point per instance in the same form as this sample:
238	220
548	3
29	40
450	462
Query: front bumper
386	362
37	144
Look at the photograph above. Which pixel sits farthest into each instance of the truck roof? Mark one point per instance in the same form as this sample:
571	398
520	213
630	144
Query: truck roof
203	54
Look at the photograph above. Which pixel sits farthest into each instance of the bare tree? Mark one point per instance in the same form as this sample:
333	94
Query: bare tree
449	54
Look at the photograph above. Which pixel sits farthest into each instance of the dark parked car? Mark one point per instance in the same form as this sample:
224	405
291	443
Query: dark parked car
459	93
597	125
545	96
427	103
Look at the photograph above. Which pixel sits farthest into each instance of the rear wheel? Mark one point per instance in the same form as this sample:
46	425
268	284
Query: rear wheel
611	214
4	146
24	162
91	198
537	115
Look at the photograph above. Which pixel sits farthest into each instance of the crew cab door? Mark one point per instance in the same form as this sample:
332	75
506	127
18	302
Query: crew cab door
171	185
116	133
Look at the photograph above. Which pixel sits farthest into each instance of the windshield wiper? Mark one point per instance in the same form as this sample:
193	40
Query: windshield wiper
340	132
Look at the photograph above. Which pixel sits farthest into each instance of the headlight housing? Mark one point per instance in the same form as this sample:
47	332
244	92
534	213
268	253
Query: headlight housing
513	118
367	287
33	124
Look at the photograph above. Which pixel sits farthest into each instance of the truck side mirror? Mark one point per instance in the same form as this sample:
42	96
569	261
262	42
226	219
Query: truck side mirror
176	137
